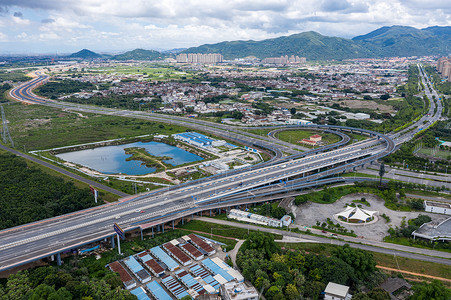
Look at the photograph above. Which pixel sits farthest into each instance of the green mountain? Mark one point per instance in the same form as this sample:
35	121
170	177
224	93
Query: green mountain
311	45
85	54
407	41
383	42
139	54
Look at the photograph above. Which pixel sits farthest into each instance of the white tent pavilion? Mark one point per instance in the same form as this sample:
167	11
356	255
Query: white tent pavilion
356	213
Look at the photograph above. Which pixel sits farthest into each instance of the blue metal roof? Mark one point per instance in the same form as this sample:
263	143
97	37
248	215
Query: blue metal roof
140	293
132	264
157	291
174	287
189	281
199	271
215	269
161	255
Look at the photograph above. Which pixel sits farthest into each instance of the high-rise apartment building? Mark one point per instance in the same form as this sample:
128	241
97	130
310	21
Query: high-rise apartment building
444	67
283	60
209	58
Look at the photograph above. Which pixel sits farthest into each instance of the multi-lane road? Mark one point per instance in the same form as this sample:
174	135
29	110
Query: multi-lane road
44	238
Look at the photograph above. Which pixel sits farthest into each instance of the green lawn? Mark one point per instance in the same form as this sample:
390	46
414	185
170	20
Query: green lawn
443	154
293	136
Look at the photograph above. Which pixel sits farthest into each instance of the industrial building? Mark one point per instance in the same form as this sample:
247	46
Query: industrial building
175	273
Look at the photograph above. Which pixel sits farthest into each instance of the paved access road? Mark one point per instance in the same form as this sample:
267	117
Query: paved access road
380	247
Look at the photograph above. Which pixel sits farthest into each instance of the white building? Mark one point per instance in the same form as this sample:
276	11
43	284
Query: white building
238	291
336	291
253	218
437	207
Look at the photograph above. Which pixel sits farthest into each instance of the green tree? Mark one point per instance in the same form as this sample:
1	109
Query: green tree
361	261
381	172
293	110
431	291
262	242
18	286
292	292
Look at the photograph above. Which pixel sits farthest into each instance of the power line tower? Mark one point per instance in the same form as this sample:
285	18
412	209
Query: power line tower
5	131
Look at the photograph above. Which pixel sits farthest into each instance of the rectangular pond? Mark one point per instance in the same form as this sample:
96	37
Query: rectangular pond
112	159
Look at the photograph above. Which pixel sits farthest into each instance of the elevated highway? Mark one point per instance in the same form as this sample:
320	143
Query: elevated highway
33	241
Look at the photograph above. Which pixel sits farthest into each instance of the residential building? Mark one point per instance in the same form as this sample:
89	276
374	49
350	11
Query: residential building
238	291
336	291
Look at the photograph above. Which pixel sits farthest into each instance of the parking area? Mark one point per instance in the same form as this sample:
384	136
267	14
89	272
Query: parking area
309	213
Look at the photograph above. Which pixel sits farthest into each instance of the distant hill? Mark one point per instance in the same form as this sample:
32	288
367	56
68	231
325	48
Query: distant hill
407	41
311	45
85	54
139	54
383	42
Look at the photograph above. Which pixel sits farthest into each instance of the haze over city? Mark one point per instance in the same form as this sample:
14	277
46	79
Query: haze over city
32	27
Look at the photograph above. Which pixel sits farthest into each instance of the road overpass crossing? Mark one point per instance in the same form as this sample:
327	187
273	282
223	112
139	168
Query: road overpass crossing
33	241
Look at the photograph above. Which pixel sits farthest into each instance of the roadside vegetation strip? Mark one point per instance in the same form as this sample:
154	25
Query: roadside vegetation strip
224	230
384	260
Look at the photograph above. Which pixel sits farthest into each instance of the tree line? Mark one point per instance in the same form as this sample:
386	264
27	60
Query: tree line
28	194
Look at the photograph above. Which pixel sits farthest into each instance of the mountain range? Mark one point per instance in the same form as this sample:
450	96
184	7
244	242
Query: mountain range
388	41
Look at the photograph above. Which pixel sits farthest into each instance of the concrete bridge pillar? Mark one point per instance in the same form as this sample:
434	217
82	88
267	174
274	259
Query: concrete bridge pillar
172	224
371	162
183	221
162	228
353	169
112	242
152	231
192	216
58	259
210	212
142	238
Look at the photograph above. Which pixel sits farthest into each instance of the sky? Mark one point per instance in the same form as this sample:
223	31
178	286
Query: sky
113	26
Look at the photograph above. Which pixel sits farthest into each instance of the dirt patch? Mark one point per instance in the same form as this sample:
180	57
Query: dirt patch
36	123
367	104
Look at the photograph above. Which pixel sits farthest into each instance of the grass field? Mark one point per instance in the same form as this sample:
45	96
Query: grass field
385	260
223	230
443	154
37	127
293	136
150	71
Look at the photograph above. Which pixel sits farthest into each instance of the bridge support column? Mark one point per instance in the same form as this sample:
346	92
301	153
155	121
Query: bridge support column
183	221
172	224
142	238
152	231
210	212
192	216
112	242
353	169
58	259
201	213
162	228
371	162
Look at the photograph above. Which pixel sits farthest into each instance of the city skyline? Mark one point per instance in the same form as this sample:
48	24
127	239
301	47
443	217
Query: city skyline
30	27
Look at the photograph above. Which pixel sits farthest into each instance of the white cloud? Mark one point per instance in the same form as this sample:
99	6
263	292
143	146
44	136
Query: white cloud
3	37
118	24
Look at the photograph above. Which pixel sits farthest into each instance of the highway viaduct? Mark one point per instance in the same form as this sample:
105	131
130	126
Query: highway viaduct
41	239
